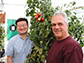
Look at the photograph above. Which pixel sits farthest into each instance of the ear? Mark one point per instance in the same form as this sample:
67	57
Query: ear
67	26
28	26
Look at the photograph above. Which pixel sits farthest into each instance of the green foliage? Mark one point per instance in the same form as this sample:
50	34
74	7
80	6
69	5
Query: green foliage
75	27
2	36
41	32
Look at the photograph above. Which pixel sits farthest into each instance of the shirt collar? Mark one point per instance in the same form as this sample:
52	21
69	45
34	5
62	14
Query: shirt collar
21	36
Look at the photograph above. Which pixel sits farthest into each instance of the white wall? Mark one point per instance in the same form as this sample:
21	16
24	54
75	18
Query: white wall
14	8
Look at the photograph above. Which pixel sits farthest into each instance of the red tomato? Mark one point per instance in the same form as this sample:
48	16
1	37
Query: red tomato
37	20
42	19
39	14
36	16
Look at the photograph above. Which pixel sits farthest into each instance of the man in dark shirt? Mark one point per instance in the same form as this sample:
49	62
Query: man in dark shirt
65	49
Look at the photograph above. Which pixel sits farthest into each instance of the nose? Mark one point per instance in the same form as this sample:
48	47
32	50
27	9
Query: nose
21	27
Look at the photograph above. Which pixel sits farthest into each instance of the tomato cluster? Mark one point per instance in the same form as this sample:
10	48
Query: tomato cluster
38	17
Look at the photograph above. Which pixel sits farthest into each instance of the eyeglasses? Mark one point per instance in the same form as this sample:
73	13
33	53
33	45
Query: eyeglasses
21	25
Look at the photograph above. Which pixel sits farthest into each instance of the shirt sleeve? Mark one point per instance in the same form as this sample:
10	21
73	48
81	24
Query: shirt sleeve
9	51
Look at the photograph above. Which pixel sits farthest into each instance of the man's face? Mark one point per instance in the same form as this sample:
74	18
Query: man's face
59	27
22	27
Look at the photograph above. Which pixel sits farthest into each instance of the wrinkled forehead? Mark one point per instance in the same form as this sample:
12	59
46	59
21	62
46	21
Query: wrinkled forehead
58	18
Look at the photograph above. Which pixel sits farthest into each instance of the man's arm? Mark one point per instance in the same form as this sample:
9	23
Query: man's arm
9	59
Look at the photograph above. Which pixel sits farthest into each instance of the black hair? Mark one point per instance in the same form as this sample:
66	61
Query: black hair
21	19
